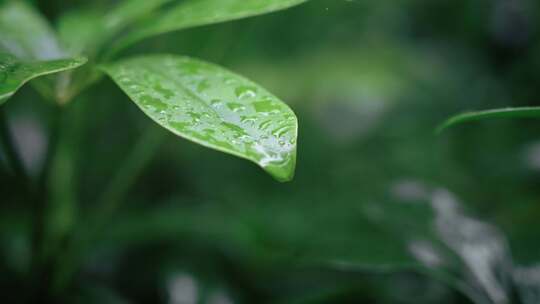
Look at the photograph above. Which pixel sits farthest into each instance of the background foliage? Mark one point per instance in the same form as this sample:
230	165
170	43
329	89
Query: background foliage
370	216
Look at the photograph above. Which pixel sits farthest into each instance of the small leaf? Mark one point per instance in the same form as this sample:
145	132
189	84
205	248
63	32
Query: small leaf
14	73
193	13
27	36
524	112
213	107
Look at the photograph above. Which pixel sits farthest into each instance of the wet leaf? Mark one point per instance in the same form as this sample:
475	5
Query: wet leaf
524	112
212	107
192	13
14	72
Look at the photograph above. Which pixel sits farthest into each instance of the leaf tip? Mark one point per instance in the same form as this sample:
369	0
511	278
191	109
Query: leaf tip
452	121
282	172
442	127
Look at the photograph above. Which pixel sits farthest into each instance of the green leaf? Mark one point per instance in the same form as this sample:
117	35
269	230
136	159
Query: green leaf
81	31
193	13
130	11
88	30
26	34
14	72
524	112
213	107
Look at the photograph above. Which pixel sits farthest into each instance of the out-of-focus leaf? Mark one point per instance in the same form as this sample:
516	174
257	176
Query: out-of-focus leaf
81	31
86	31
469	254
14	72
525	112
185	287
192	13
212	107
26	34
131	10
92	293
527	280
428	234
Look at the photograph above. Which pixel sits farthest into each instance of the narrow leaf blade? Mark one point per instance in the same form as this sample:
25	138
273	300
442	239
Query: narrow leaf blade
193	13
213	107
523	112
14	73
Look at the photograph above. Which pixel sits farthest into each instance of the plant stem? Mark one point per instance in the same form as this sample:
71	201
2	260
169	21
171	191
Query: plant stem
8	143
130	170
110	201
62	179
36	288
39	266
39	216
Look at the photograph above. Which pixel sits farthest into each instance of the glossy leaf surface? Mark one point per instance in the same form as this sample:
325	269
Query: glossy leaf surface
212	107
192	13
14	73
525	112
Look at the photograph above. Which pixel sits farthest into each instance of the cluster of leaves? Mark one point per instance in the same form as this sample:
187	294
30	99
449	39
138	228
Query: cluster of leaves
326	237
191	98
196	100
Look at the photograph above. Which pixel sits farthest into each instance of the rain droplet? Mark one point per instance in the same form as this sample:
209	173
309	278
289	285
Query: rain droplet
248	120
236	107
281	131
265	124
245	92
216	103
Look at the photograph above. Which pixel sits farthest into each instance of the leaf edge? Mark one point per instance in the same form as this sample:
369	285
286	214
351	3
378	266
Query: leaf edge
275	171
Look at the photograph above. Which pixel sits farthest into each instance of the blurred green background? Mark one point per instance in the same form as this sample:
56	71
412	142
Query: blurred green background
362	221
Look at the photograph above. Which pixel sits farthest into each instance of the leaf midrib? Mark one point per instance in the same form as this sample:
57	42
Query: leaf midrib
185	89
